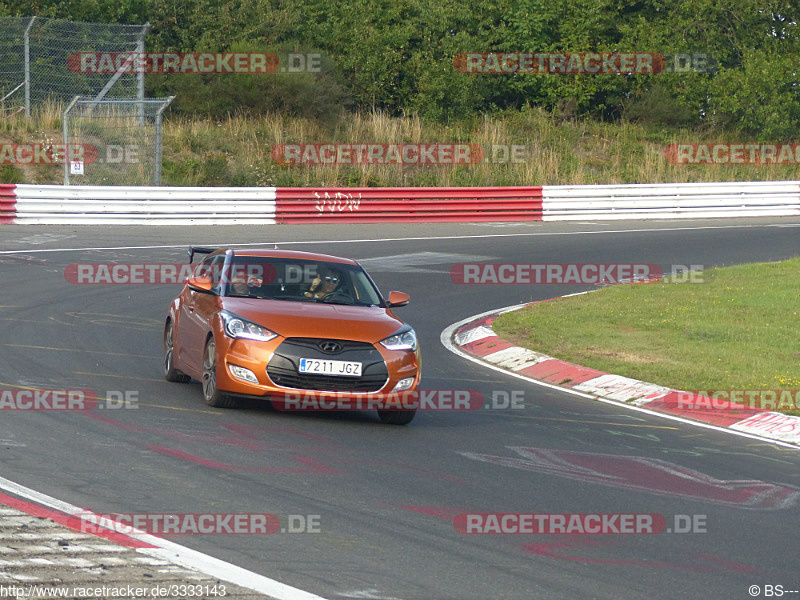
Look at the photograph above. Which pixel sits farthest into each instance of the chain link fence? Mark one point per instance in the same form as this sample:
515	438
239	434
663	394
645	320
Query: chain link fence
113	142
40	61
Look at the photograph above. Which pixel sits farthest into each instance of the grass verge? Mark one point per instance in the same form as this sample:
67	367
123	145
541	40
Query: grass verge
236	151
738	330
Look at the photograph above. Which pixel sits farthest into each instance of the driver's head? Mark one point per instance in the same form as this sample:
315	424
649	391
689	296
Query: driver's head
239	283
328	280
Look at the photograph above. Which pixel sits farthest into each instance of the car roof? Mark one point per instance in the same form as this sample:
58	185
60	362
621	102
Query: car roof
290	254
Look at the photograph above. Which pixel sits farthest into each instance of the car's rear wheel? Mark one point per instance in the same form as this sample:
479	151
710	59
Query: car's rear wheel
214	397
397	417
170	372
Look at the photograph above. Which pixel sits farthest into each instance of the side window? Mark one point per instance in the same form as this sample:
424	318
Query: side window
204	268
211	267
215	269
364	292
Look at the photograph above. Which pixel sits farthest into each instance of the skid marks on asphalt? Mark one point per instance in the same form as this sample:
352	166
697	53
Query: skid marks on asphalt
220	446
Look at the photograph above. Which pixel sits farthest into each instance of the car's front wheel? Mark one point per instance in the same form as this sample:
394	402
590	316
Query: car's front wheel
397	417
214	397
170	372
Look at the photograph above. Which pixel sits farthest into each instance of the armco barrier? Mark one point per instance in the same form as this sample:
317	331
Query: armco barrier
77	205
111	205
384	205
671	200
8	203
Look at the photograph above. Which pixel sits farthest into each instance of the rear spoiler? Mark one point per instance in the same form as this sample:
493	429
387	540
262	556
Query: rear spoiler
199	250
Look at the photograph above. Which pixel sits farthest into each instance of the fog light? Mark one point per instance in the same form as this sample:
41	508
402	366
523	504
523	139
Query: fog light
403	384
242	373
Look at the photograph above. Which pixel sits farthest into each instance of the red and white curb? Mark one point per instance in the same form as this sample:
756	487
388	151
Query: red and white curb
474	339
25	503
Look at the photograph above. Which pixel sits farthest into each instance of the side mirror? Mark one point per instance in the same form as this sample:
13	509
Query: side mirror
398	299
199	284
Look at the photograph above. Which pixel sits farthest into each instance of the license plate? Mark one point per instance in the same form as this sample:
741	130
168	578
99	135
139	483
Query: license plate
330	367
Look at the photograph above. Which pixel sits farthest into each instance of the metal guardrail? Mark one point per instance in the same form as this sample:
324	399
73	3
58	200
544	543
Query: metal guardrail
84	205
52	204
672	200
383	205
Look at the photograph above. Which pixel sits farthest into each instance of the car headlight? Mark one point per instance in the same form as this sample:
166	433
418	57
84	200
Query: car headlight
237	327
405	339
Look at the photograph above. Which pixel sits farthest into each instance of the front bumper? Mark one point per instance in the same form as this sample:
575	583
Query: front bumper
275	365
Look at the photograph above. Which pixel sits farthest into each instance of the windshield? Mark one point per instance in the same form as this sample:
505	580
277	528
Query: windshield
298	280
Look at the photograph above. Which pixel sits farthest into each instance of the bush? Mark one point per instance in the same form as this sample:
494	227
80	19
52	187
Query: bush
10	174
217	96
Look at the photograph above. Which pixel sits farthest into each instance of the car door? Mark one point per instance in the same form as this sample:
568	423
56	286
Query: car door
197	310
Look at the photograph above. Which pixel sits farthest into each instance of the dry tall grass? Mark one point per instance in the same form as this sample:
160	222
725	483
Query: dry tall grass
237	151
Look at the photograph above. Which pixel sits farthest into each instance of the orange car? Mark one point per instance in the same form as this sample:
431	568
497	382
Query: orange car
279	324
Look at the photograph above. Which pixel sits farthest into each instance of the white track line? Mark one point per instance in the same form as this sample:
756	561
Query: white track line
176	553
400	239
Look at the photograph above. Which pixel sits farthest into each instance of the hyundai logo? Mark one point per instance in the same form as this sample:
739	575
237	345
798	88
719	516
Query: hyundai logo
330	347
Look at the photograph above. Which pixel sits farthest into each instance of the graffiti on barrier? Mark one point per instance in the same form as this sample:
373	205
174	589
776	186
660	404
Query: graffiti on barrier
337	202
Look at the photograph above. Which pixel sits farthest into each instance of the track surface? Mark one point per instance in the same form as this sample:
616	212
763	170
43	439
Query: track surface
386	496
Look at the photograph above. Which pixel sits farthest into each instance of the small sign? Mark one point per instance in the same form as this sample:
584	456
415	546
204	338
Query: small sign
76	167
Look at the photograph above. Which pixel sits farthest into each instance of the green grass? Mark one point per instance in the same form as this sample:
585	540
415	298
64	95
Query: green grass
738	330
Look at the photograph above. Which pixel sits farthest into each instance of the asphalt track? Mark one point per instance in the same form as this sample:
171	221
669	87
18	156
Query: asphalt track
386	496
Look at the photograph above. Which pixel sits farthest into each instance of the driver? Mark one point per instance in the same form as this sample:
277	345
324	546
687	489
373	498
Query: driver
242	284
239	285
326	282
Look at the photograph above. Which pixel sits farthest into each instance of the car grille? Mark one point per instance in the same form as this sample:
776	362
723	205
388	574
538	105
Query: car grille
282	367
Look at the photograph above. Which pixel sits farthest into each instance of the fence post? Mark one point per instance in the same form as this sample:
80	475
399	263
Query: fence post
65	127
27	42
140	75
159	120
